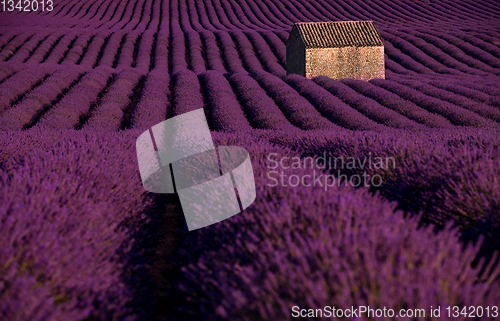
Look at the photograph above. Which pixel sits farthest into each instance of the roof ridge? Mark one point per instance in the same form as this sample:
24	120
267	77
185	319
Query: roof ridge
332	34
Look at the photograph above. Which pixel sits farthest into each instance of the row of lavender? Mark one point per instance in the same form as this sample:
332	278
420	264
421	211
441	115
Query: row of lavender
200	31
407	52
313	247
348	247
258	14
68	213
79	97
88	50
428	50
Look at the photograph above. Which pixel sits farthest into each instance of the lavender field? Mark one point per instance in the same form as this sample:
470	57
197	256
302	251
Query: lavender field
81	239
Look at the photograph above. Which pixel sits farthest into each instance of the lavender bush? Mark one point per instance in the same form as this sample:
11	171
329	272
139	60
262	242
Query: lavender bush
481	109
187	93
110	111
154	104
67	112
20	83
456	114
330	106
213	53
367	106
64	240
36	101
310	261
225	111
260	109
295	107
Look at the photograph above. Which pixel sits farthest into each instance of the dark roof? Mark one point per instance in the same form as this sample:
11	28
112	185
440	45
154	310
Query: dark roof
339	34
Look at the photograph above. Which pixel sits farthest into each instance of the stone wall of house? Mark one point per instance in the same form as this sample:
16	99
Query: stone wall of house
362	63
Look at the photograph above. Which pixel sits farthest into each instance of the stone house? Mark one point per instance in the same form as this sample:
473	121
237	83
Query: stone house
337	49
